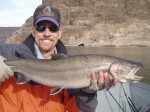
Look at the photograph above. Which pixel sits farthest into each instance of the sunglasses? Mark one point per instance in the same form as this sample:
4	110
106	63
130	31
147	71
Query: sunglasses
42	28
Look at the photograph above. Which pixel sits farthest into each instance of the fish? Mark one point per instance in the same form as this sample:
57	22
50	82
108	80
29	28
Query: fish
74	71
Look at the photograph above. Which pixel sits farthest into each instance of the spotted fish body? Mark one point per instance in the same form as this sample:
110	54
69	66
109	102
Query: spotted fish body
73	71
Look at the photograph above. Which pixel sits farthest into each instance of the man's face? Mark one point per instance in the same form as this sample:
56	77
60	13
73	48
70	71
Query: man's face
46	35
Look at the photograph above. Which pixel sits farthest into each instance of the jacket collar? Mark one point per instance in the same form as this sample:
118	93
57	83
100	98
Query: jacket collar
29	42
22	51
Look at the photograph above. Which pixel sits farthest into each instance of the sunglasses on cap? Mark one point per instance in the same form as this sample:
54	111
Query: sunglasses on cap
42	28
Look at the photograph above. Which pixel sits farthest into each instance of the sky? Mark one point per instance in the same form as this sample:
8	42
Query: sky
14	13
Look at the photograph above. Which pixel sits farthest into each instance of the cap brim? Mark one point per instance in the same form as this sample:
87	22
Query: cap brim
48	19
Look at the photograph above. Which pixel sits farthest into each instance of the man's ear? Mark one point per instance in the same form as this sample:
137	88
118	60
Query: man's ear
60	33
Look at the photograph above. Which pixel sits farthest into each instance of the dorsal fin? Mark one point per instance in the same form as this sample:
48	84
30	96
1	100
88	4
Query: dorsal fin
58	56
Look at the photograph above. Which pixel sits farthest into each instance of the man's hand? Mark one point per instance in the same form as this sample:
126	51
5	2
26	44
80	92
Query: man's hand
99	82
5	71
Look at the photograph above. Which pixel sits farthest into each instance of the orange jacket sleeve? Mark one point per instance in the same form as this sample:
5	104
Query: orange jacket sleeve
27	98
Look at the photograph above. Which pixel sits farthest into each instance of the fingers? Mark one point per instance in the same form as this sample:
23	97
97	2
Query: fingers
100	81
3	75
9	71
93	85
2	58
5	71
97	81
101	77
94	77
107	79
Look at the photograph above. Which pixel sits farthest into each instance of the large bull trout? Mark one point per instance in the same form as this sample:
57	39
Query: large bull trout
73	71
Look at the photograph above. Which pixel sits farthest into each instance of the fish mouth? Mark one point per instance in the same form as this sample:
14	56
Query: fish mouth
131	76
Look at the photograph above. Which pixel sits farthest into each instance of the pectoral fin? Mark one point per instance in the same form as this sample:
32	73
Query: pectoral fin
55	90
22	79
114	70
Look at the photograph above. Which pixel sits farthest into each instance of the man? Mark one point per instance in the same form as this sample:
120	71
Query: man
34	97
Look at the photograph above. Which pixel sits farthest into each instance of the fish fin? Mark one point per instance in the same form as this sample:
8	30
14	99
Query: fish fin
113	70
55	90
22	79
58	56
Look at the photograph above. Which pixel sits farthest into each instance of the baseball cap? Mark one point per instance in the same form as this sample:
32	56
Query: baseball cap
47	12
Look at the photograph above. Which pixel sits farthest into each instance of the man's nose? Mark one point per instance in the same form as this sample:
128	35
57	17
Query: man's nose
47	32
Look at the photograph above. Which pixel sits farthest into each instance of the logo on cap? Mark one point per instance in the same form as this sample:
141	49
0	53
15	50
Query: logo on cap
48	10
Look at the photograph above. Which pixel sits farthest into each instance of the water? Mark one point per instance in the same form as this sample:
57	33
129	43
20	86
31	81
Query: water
139	54
139	92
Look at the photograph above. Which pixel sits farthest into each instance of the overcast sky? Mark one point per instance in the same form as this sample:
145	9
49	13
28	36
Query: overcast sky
14	13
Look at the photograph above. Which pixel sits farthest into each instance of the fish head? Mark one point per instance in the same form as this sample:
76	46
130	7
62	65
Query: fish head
126	70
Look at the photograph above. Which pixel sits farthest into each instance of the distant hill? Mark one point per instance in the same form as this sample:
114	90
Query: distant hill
6	32
98	23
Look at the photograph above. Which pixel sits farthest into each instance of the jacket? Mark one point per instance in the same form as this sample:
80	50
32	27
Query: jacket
34	97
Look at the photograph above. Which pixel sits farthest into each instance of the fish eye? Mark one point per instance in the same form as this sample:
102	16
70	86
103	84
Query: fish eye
132	66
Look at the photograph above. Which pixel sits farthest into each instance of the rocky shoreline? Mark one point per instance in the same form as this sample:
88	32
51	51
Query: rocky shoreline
100	23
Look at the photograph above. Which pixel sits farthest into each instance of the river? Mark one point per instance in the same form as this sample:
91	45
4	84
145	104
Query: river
139	54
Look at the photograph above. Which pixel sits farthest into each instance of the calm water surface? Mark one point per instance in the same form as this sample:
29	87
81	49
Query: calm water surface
139	54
